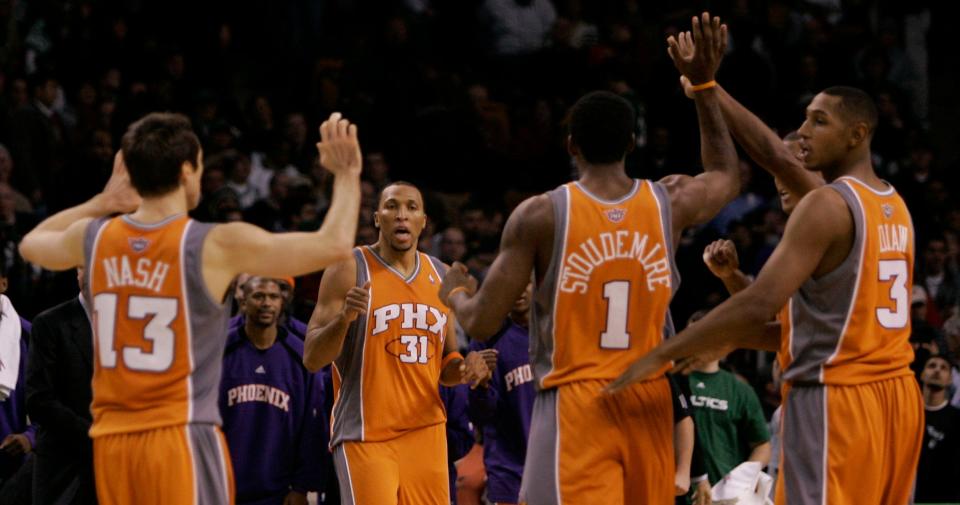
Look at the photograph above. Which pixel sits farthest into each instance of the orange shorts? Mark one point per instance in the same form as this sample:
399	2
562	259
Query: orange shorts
408	470
187	464
588	447
846	445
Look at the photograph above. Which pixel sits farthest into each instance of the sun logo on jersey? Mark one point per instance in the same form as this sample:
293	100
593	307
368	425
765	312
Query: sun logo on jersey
887	210
138	244
616	215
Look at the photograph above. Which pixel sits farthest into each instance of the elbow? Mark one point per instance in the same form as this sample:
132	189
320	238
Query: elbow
313	365
27	248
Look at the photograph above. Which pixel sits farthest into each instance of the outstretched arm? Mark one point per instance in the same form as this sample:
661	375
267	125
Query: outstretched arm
696	200
482	314
240	247
762	144
821	224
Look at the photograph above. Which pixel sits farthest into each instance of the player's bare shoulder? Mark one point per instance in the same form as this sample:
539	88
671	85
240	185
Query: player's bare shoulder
532	219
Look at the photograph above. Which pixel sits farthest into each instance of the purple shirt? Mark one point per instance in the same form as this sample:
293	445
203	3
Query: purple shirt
503	412
292	325
459	430
273	418
13	411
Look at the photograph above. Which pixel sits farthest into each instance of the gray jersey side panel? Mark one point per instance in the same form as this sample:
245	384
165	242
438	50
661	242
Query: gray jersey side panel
804	445
207	318
821	307
666	223
348	412
90	236
544	297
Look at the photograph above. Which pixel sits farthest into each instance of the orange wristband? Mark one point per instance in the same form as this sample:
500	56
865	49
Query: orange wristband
706	85
448	358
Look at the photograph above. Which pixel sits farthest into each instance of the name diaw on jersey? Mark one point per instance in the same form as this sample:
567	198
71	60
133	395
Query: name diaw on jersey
895	238
147	274
579	264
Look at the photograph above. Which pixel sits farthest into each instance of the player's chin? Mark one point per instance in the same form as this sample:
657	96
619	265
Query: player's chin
402	245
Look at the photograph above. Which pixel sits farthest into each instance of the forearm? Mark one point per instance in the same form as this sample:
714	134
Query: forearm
761	453
716	146
683	445
339	228
739	321
736	282
763	145
92	208
476	324
451	375
323	344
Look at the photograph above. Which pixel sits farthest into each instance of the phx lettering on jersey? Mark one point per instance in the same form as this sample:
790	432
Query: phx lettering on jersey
579	264
415	315
147	274
259	393
518	376
710	403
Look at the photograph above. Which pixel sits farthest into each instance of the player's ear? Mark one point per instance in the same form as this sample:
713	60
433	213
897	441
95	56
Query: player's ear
571	147
859	133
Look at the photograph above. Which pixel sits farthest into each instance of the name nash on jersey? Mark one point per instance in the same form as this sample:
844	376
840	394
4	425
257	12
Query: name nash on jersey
621	244
147	274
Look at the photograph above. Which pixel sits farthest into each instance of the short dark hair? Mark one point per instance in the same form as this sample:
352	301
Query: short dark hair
154	150
397	183
856	105
602	126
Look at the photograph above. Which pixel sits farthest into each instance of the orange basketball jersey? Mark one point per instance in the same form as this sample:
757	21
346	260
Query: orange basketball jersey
604	299
158	334
852	325
387	376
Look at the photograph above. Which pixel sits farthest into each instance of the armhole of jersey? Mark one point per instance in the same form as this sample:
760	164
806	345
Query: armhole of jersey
560	199
91	241
438	267
854	259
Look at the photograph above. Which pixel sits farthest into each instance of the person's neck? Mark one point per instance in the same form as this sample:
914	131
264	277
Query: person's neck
934	397
156	209
608	181
403	261
262	337
859	166
712	367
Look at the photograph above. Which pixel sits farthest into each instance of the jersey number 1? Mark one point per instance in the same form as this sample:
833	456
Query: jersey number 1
161	311
615	336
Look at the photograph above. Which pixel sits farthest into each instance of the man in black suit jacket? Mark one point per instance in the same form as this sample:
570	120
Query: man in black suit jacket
59	371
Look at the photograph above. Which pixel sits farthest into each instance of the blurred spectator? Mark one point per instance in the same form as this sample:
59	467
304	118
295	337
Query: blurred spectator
271	405
939	469
453	245
459	430
20	203
942	285
517	27
17	435
925	338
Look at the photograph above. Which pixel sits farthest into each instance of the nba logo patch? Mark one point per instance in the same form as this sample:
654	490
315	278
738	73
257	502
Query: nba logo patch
138	244
616	215
887	210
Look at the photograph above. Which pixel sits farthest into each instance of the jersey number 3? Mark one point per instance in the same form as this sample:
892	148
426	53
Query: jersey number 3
899	316
161	311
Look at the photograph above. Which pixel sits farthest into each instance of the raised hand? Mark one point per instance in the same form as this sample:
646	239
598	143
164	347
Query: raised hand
721	258
457	276
119	196
339	147
476	368
693	363
356	302
697	53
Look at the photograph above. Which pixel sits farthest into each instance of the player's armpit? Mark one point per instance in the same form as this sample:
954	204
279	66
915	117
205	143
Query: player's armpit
528	226
696	200
56	249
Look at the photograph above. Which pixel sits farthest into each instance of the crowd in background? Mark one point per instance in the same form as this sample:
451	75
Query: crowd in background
466	99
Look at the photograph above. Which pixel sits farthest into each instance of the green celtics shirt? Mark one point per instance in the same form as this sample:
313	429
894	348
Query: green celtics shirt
728	418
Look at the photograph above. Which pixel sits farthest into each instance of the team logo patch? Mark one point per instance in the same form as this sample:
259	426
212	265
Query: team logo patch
616	215
138	244
887	210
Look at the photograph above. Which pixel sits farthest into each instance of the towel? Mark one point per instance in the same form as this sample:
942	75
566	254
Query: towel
9	347
744	485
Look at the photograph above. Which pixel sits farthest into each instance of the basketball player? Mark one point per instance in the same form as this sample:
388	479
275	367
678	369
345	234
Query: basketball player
853	415
157	281
602	252
381	323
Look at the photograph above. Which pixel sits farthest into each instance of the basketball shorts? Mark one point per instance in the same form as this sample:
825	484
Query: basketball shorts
586	446
847	445
186	464
408	470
